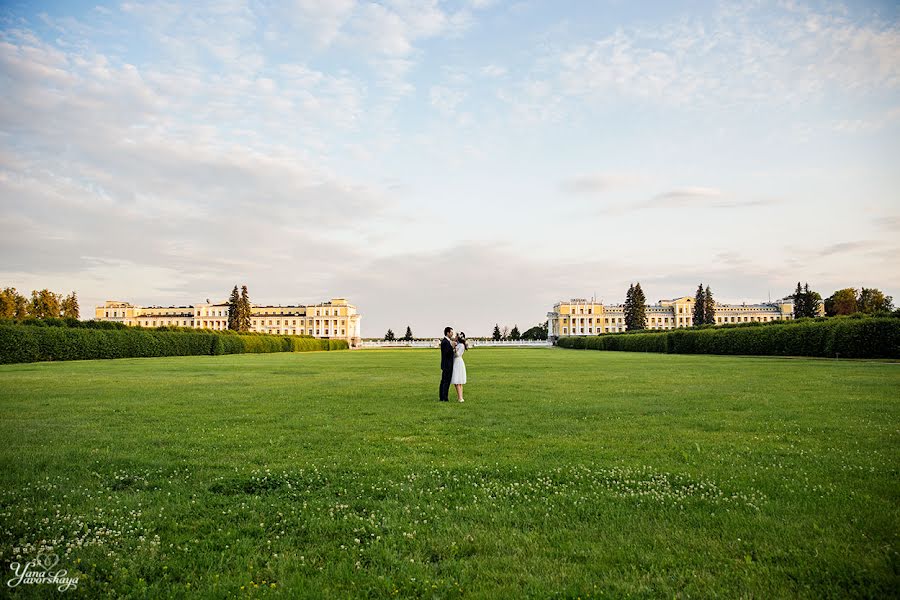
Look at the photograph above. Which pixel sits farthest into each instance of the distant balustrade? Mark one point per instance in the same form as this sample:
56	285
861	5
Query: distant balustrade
437	341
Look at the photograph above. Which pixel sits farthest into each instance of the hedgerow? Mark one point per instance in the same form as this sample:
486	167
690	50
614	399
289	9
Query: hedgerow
55	339
841	337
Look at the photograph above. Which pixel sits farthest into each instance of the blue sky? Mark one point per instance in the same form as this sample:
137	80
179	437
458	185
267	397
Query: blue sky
463	163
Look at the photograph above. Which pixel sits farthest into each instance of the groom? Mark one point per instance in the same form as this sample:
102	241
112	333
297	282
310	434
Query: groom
447	347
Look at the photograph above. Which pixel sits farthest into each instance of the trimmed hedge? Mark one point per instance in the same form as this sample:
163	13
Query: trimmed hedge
20	342
868	337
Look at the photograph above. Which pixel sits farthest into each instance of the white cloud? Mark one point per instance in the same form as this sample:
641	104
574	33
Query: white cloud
730	60
493	71
322	19
600	182
153	169
445	99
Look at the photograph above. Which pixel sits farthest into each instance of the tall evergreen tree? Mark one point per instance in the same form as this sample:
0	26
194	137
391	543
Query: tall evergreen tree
638	308
514	333
234	310
709	308
699	306
409	336
628	310
806	302
799	302
813	299
245	312
389	336
497	336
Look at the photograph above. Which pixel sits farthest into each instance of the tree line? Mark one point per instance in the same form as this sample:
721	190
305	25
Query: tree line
846	301
407	337
849	301
42	304
538	332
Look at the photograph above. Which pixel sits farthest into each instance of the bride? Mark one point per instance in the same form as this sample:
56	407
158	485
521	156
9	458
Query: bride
458	378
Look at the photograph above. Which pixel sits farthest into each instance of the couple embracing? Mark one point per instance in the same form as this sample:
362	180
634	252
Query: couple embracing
453	369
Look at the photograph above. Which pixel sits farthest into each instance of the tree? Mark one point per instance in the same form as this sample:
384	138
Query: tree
69	306
799	302
505	334
389	336
709	308
872	300
806	302
639	308
497	335
813	300
842	302
13	305
245	310
234	310
7	303
43	304
699	306
514	334
409	336
538	332
628	309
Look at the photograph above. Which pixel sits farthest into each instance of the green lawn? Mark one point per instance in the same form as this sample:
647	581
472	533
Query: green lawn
566	473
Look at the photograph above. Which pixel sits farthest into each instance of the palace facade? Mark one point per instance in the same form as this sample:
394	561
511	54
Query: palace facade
583	317
336	319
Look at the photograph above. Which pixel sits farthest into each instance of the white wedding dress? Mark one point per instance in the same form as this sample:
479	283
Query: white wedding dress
459	367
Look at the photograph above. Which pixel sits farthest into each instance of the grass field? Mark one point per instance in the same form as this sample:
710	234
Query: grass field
565	474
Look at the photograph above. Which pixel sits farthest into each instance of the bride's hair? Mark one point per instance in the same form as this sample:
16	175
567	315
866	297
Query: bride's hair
461	339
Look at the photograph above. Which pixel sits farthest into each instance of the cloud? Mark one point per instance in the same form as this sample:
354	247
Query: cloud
322	20
686	195
599	183
888	222
185	177
391	29
868	124
493	71
691	197
445	99
743	56
848	247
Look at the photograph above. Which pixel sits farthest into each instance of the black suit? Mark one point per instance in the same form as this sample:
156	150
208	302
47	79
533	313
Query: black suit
446	369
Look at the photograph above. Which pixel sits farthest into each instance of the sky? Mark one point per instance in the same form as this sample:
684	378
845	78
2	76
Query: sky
458	163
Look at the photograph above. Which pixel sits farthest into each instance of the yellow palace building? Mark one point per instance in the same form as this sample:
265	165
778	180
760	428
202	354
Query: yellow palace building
336	319
582	317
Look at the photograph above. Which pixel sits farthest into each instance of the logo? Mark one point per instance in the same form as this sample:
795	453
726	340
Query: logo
40	570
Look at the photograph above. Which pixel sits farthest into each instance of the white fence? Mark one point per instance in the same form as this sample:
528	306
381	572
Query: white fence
399	344
437	342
